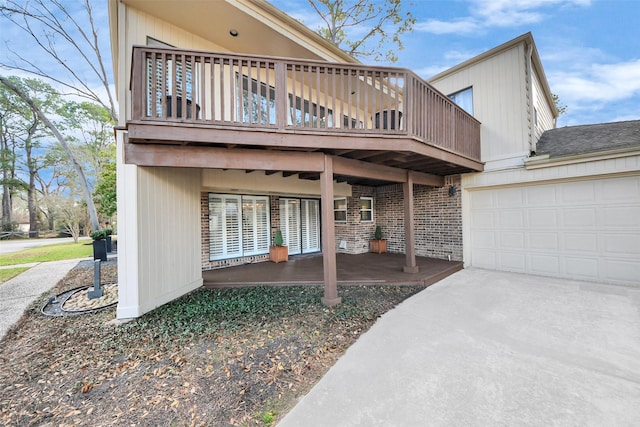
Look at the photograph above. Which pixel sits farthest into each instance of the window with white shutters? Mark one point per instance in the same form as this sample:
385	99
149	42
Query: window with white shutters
163	81
238	226
310	224
255	225
290	224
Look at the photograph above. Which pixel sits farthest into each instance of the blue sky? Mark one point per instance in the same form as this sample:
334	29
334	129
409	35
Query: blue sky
590	49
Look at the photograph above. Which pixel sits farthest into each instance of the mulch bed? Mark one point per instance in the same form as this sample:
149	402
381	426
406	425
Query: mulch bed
212	357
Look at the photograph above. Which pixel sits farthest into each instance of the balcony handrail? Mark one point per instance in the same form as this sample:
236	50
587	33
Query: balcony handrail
285	94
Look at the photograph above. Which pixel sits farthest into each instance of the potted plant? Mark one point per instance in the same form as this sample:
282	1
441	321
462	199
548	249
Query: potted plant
99	244
278	252
108	232
378	244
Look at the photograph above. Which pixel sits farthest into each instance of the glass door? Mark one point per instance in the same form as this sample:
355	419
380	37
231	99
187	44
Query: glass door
300	225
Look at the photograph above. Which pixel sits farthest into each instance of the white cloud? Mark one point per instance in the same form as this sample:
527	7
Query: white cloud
496	13
598	83
458	26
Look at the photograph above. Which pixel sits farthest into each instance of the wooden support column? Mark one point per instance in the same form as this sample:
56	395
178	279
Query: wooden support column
409	229
328	236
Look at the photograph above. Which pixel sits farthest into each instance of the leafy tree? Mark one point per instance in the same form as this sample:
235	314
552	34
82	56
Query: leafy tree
40	111
561	109
11	115
105	191
363	28
72	215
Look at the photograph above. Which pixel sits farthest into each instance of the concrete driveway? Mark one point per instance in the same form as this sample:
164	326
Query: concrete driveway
486	348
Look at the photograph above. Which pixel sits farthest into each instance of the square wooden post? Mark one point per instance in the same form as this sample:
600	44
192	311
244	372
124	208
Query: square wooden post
328	236
409	229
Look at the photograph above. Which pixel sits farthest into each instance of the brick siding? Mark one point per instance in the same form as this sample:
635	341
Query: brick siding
437	216
438	222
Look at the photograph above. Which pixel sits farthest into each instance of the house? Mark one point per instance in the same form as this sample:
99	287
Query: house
556	202
237	121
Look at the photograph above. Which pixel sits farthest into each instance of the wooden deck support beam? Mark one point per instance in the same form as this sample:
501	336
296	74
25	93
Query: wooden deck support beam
329	265
409	229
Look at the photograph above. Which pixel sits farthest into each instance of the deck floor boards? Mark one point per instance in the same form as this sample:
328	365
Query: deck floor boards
369	268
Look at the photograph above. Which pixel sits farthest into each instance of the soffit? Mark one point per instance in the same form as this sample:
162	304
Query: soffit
258	32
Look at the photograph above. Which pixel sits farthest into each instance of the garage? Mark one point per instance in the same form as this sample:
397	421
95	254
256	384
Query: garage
586	229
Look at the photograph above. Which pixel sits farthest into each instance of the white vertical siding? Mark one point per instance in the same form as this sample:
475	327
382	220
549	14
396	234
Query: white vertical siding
169	244
499	101
544	110
138	26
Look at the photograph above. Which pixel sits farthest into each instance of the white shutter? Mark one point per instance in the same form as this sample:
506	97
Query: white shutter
290	224
233	230
263	225
224	226
216	232
255	225
310	222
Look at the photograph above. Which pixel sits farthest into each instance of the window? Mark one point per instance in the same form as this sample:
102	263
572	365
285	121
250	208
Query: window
366	209
340	209
185	82
238	226
257	103
464	99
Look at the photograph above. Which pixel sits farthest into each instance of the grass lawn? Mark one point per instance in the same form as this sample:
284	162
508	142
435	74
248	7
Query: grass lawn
10	273
55	252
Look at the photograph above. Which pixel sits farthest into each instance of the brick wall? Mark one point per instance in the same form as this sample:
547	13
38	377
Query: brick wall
438	222
356	234
438	219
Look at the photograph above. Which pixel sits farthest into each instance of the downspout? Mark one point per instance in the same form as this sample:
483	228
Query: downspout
532	124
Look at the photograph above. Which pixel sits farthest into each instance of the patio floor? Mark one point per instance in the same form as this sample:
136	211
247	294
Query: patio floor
368	268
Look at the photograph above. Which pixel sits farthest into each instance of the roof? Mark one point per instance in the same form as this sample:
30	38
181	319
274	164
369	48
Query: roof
572	140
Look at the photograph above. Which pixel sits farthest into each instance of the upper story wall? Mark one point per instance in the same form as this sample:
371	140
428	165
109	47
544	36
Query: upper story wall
544	118
206	25
514	110
499	101
138	26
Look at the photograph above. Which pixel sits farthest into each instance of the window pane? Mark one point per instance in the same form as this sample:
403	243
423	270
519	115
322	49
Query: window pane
340	204
340	215
365	203
464	99
366	216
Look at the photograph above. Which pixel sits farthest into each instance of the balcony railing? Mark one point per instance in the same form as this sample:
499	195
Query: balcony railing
287	95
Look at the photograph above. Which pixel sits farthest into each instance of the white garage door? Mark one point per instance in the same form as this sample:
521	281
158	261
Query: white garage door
587	230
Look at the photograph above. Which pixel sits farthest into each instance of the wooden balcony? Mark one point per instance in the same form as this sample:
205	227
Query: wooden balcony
387	116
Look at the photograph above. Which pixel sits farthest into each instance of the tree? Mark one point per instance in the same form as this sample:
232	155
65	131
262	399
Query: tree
363	28
70	46
71	216
561	109
105	191
10	128
84	185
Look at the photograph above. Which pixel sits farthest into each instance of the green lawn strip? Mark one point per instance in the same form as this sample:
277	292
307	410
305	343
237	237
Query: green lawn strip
55	252
9	273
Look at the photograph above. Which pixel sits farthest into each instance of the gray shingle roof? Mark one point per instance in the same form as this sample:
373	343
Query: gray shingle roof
584	139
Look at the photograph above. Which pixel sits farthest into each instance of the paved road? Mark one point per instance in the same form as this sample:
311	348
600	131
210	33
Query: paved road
487	348
8	246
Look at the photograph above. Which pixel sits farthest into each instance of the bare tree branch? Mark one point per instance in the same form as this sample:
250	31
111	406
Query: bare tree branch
54	30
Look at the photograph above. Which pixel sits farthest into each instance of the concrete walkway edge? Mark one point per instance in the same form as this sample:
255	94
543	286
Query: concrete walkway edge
17	293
